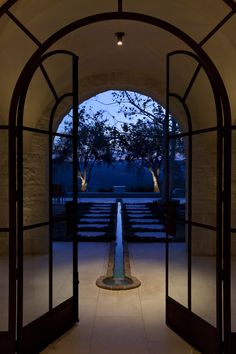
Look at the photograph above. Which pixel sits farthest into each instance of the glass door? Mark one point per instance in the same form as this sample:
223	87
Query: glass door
230	262
193	265
47	284
8	276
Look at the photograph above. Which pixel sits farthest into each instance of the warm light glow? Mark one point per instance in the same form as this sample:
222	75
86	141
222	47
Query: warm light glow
119	36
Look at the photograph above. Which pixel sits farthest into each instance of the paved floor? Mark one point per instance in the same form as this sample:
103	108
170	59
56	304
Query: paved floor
113	322
121	322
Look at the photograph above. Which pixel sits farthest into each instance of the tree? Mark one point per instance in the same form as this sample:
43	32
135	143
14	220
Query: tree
143	140
93	144
142	143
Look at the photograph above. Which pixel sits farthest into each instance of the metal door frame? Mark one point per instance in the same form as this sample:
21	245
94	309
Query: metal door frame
198	332
37	334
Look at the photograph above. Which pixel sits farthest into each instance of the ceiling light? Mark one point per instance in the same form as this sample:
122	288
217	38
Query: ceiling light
119	36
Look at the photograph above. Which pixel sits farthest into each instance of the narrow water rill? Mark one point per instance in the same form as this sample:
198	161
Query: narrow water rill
118	275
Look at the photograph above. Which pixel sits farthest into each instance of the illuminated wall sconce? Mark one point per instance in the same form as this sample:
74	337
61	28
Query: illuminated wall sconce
119	36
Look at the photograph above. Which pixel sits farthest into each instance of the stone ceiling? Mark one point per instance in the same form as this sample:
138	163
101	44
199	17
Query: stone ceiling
139	65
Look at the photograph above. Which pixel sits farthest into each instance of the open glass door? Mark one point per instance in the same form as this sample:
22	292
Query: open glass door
193	266
7	255
230	262
47	297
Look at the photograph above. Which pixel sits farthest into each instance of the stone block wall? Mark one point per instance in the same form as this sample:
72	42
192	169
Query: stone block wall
36	192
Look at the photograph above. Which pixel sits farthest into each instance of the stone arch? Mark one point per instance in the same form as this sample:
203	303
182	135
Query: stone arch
18	98
95	84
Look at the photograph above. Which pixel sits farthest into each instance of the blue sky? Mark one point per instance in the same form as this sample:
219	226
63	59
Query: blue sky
103	101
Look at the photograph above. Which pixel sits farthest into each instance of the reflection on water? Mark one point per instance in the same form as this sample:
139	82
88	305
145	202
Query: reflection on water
119	250
117	277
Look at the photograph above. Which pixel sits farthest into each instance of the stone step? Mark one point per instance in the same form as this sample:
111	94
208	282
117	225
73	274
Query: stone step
94	220
143	226
139	211
91	233
102	204
145	221
140	216
150	234
80	226
96	215
131	207
98	209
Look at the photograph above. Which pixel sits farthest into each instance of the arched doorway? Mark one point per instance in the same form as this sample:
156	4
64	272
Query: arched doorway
17	108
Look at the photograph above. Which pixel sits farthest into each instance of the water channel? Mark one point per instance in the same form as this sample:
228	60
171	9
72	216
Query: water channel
118	275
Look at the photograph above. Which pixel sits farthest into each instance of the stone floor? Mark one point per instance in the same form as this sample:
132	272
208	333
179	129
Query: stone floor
121	322
117	322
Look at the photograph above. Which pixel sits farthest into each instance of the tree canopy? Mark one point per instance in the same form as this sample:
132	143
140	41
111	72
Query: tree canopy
138	137
94	144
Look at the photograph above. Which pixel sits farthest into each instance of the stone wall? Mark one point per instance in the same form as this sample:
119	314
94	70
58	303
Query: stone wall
36	195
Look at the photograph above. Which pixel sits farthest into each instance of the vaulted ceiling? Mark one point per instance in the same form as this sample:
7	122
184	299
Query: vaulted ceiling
140	64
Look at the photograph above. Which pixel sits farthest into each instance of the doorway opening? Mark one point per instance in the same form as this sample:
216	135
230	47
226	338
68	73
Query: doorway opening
208	234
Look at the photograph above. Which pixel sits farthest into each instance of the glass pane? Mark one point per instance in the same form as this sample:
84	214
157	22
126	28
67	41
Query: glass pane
233	235
233	282
62	179
63	118
179	78
4	280
204	172
4	219
62	263
36	273
204	274
178	258
62	256
177	110
53	66
177	168
36	176
233	184
178	252
4	236
39	96
202	115
62	175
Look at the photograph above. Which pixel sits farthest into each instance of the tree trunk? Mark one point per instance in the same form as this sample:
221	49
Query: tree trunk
155	184
155	175
83	185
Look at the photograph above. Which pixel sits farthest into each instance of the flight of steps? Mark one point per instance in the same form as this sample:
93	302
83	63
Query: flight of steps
143	222
96	221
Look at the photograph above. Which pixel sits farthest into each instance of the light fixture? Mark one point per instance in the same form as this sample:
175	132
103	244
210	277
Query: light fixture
119	36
